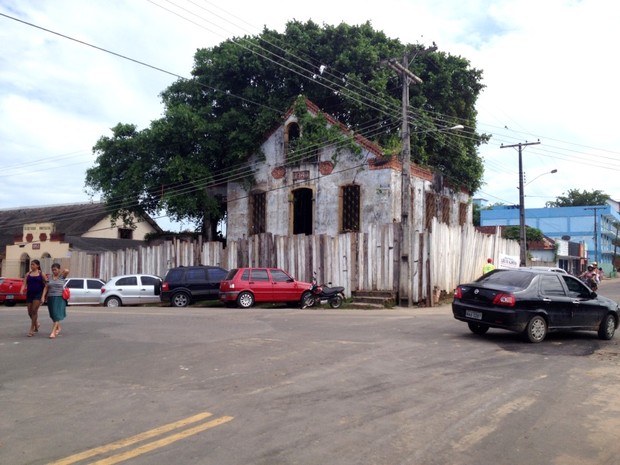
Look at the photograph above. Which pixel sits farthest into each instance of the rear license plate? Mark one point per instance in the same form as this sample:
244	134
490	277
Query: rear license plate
473	314
9	296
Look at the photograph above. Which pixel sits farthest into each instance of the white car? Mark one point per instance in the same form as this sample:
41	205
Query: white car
84	291
132	289
555	269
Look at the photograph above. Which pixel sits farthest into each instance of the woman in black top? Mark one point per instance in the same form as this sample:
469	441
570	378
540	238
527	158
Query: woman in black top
34	284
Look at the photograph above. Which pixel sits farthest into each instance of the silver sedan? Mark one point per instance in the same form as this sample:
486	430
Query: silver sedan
84	291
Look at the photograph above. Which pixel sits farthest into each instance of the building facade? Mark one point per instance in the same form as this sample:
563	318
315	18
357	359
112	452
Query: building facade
328	191
51	233
594	226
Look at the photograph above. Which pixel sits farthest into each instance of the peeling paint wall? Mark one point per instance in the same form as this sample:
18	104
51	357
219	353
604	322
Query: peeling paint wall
380	191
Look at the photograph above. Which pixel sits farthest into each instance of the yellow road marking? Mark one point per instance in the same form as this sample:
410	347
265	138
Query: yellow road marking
162	442
132	440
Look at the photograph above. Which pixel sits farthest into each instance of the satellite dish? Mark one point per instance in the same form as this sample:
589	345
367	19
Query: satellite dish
566	238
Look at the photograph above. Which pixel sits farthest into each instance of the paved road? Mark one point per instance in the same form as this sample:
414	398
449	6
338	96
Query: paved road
283	386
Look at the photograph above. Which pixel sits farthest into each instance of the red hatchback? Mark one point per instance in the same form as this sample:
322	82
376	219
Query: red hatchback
243	287
9	291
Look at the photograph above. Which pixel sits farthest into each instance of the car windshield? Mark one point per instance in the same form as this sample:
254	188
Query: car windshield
507	278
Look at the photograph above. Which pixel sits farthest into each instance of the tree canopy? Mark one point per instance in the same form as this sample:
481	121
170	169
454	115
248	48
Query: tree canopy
531	234
577	198
241	89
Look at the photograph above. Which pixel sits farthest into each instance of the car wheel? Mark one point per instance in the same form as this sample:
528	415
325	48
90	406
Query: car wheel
9	303
536	329
336	301
113	302
307	300
245	300
608	327
478	328
180	299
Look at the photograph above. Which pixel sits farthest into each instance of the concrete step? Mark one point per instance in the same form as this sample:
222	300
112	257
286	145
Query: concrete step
378	299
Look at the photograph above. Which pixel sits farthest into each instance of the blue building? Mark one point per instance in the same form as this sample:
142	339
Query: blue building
594	226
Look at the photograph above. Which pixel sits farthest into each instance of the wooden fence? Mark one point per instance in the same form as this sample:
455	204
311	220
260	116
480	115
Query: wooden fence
366	261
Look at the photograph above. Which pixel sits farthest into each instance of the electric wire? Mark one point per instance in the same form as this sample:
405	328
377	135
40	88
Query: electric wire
241	168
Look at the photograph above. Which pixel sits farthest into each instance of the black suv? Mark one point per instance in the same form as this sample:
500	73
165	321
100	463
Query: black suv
187	284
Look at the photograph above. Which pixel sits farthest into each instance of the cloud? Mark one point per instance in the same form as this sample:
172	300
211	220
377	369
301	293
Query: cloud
548	67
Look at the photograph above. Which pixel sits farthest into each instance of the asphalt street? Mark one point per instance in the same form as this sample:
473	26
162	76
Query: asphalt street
211	385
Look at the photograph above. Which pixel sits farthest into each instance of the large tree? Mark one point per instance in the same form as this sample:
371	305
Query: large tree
241	88
577	198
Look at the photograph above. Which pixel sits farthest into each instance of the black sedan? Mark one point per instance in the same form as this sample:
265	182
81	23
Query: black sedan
533	302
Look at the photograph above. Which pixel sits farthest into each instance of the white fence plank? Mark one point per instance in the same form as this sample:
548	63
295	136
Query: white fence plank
358	261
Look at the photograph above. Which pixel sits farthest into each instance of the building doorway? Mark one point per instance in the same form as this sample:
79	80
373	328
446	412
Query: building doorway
302	211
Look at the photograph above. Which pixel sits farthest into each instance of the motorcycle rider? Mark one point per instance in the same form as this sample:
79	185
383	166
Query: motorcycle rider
590	277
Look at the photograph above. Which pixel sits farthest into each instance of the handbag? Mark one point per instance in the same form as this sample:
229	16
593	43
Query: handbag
66	293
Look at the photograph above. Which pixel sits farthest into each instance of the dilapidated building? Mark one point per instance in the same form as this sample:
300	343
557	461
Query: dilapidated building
329	189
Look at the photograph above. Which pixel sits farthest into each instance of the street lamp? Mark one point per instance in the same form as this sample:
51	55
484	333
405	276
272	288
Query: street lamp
548	172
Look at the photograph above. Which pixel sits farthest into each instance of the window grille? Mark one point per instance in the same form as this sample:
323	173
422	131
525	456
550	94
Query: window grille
351	208
445	210
430	210
259	213
462	213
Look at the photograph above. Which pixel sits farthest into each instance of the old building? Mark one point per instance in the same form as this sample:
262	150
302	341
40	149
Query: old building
54	232
330	190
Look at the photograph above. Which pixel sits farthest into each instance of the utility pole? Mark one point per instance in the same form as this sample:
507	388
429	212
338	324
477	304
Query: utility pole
596	254
522	236
404	282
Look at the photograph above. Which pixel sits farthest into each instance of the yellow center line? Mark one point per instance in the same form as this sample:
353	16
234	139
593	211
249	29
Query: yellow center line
132	440
162	442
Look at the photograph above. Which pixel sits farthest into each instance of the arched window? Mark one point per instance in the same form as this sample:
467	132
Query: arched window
292	133
24	264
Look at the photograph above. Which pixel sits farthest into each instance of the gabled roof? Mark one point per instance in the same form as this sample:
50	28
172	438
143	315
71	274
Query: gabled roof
546	244
361	140
69	219
98	245
490	229
315	110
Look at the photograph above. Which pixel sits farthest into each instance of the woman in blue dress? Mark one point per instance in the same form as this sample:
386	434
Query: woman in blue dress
56	305
34	284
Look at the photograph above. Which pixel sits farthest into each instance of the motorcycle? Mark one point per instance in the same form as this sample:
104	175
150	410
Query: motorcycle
323	294
590	282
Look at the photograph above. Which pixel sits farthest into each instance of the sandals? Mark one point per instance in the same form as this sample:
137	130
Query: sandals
52	336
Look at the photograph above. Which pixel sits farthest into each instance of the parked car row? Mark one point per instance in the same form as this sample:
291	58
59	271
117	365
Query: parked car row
241	287
182	286
532	301
84	291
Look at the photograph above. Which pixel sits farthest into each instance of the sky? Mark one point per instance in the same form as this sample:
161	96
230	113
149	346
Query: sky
549	69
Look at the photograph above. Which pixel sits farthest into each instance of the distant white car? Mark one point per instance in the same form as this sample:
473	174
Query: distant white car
133	289
84	291
548	268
